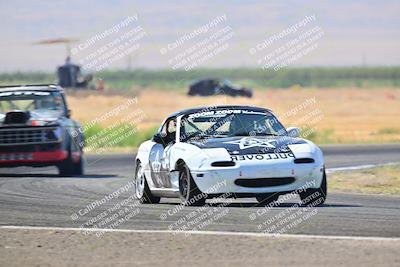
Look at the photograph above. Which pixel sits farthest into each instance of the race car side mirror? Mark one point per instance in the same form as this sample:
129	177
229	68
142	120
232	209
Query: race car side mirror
293	131
157	138
69	113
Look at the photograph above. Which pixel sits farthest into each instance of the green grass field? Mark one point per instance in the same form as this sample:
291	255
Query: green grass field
363	77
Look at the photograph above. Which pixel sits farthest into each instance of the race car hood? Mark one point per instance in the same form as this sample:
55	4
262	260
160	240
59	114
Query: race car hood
250	145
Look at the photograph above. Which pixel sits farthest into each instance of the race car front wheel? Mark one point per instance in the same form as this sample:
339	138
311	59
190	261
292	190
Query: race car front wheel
72	165
189	193
142	190
315	196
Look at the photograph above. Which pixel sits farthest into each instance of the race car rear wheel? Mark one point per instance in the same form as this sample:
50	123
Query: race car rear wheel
190	194
265	199
142	190
315	196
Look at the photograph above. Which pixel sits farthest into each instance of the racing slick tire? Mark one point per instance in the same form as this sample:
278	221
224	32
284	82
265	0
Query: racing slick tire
315	196
265	199
189	193
142	190
69	166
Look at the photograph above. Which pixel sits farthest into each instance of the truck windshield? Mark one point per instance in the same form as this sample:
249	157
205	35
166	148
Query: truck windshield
30	100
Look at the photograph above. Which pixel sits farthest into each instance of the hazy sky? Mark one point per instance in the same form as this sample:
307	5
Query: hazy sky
355	32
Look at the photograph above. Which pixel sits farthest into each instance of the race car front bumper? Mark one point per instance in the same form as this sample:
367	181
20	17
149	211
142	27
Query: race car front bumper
32	158
257	179
35	146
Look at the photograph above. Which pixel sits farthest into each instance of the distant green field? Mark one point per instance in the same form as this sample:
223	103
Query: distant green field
120	135
363	77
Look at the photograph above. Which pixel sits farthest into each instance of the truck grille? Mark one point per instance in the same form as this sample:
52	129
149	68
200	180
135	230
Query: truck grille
25	136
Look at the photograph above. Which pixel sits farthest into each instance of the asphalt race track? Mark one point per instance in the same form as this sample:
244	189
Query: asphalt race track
38	197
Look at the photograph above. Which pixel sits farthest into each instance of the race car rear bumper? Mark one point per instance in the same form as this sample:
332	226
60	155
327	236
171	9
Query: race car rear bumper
258	179
32	158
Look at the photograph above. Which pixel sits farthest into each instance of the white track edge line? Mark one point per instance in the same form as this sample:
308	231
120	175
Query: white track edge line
271	235
359	167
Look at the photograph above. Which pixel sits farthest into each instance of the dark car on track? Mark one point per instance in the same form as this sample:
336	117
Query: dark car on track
36	129
209	87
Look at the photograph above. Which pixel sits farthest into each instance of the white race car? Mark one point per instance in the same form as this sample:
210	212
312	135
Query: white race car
233	151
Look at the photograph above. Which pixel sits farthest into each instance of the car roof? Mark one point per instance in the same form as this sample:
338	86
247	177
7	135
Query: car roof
210	108
31	87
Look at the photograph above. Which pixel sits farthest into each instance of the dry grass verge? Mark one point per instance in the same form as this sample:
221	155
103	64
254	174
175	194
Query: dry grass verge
380	180
348	115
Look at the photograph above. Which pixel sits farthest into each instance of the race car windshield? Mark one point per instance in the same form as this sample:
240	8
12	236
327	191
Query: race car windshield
30	100
228	123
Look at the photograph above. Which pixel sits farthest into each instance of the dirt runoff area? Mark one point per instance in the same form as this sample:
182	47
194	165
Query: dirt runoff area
20	247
